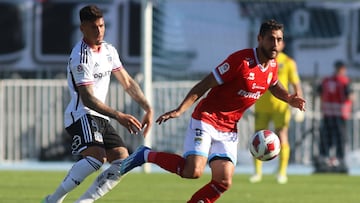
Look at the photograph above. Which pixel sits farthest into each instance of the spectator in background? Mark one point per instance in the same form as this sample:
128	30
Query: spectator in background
270	109
336	101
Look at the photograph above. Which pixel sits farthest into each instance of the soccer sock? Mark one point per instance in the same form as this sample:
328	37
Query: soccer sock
103	184
79	171
284	159
170	162
258	166
209	193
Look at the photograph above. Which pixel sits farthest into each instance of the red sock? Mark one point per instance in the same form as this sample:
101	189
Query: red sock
209	193
170	162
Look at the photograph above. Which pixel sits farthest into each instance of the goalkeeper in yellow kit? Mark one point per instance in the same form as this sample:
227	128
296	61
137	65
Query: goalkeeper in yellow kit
270	109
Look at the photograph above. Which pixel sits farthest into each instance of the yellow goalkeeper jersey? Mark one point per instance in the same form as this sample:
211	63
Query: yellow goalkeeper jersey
287	75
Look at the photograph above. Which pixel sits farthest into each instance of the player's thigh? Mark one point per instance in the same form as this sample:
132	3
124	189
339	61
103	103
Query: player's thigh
114	144
262	120
281	119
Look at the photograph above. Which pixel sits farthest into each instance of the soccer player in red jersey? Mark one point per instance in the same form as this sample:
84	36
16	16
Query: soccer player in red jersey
211	137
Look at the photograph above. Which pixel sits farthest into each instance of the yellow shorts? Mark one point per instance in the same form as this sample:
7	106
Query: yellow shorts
279	119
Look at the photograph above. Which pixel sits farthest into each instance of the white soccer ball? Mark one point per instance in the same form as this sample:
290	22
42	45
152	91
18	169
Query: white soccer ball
264	145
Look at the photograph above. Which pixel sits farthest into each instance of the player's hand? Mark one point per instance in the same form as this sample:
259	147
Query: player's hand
297	102
147	122
166	116
129	122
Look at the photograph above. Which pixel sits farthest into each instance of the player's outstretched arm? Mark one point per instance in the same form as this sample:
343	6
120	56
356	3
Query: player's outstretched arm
133	89
194	94
293	100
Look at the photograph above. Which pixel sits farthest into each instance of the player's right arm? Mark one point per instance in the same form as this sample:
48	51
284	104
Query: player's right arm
193	95
90	101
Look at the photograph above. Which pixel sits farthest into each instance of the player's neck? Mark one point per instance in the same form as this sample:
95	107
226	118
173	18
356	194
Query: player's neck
264	61
94	47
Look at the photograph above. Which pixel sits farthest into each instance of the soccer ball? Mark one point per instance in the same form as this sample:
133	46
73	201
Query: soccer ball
264	145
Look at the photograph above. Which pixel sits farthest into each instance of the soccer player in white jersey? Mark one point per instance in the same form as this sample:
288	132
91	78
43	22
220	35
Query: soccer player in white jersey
91	63
234	85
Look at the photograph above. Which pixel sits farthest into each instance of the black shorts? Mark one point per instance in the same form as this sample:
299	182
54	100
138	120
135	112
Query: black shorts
92	130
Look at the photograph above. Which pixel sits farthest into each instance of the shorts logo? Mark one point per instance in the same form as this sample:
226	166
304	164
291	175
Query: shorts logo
98	137
198	136
75	143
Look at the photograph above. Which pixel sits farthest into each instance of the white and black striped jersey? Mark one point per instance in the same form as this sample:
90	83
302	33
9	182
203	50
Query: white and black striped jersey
88	67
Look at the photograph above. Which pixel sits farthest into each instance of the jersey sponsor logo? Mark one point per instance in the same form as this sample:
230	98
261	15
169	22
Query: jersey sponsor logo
251	76
255	86
252	95
223	68
101	75
270	76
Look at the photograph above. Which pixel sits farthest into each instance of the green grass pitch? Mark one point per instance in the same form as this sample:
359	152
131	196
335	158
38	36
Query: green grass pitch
31	186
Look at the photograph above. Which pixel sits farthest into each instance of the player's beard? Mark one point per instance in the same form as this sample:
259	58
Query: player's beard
268	53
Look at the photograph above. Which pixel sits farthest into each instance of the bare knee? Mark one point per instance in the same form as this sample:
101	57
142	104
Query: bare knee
192	173
226	183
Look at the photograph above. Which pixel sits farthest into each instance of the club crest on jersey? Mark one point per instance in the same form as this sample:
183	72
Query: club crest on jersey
223	68
270	76
109	58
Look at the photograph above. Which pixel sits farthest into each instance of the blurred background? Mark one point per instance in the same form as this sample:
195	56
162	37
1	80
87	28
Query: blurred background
189	39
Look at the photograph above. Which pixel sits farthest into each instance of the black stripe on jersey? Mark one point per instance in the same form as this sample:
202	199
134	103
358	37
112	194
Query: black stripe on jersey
86	128
83	53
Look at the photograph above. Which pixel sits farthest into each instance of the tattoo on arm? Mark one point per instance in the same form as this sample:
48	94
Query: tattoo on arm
136	93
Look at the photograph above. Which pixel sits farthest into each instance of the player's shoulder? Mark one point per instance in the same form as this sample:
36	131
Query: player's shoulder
243	53
108	46
243	56
79	51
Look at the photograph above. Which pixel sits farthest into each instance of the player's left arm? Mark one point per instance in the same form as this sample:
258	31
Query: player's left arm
133	89
293	99
294	78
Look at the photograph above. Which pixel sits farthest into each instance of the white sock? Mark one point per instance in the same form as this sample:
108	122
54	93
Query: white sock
79	171
103	184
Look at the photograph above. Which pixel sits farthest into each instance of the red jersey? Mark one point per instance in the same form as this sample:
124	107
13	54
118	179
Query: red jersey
334	97
242	80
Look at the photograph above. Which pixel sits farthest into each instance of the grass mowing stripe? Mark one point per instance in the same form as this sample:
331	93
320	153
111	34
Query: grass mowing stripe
32	186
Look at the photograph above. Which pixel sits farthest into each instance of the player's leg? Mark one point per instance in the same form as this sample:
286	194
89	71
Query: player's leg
223	157
281	122
340	142
325	139
189	168
85	133
261	122
109	178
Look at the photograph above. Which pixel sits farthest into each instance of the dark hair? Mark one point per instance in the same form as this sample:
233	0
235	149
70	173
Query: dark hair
269	26
90	13
339	64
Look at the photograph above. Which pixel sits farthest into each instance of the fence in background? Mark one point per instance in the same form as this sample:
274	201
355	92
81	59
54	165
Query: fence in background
31	126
